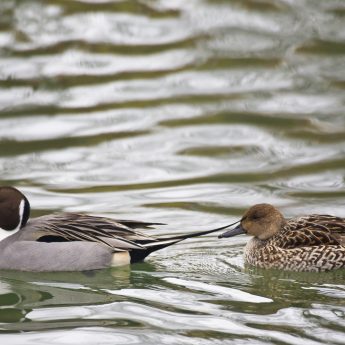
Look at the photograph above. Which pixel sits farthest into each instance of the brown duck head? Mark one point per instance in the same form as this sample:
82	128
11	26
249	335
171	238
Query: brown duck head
261	221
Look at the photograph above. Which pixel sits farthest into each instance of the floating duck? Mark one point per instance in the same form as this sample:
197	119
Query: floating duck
309	243
71	241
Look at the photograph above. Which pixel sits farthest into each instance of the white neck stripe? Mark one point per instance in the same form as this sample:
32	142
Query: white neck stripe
21	214
6	233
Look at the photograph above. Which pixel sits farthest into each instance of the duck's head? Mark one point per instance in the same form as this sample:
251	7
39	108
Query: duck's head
261	221
14	210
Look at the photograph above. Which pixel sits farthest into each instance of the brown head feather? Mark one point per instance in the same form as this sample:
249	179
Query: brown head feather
262	221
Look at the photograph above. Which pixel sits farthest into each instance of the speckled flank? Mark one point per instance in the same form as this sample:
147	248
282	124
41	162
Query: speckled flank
312	259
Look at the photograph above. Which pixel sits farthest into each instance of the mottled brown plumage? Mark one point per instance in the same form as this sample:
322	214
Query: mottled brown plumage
309	243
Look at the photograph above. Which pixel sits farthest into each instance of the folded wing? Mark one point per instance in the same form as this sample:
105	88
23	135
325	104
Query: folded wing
313	230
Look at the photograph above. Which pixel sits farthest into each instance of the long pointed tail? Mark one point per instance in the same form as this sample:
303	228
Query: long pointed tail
140	254
196	234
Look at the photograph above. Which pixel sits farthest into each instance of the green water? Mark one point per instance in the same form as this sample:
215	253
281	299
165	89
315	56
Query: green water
181	112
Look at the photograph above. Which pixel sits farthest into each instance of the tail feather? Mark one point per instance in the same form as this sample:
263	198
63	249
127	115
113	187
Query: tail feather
196	234
141	254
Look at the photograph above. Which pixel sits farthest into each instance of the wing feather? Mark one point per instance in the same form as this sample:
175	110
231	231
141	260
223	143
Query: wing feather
79	227
313	230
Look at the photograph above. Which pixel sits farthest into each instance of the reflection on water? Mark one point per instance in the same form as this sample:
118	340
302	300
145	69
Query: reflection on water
185	113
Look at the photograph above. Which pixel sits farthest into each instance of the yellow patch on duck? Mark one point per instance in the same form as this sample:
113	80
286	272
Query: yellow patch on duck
121	259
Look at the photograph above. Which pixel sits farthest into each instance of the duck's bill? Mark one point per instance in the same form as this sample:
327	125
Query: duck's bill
233	232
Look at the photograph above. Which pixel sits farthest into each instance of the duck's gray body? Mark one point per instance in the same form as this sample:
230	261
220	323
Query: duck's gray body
77	242
71	241
21	251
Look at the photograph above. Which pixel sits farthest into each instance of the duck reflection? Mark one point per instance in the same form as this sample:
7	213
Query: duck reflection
23	292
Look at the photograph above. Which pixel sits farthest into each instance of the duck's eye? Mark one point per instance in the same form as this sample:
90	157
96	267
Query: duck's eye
255	216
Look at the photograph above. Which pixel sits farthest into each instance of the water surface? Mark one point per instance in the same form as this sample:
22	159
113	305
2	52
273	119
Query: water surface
181	112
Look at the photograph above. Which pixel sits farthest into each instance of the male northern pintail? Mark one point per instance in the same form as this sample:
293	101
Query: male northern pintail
310	243
71	241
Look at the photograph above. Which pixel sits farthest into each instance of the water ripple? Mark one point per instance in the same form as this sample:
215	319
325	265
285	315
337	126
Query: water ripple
186	113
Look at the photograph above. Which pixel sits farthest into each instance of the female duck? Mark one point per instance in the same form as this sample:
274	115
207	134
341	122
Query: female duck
309	243
71	241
